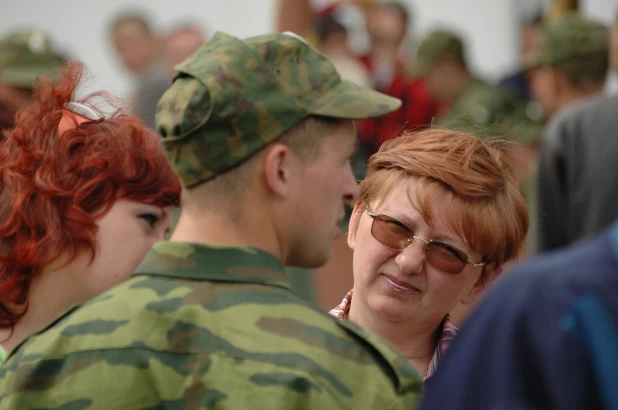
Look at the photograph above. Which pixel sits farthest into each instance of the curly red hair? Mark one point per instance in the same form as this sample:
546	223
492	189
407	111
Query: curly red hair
51	185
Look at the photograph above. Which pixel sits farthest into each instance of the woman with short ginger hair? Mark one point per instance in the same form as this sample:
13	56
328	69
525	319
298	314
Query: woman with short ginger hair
438	215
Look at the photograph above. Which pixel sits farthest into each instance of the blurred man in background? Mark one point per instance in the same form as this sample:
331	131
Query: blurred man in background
24	56
570	63
472	105
140	51
389	67
530	34
577	169
333	42
180	43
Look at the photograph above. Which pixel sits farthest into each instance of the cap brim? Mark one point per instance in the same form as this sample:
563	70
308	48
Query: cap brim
351	101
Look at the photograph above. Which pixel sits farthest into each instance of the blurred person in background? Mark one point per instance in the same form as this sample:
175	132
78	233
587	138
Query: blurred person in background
140	51
260	132
439	214
577	174
389	66
530	34
180	43
570	63
24	55
333	42
84	198
472	105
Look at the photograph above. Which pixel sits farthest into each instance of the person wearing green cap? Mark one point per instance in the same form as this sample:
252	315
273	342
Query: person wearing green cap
24	56
577	180
472	105
570	63
260	133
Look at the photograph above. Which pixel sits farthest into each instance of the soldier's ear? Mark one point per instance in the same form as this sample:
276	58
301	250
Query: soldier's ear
278	169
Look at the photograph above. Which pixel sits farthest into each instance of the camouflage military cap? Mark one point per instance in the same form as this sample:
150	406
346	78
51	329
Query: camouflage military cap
232	97
575	45
435	45
26	55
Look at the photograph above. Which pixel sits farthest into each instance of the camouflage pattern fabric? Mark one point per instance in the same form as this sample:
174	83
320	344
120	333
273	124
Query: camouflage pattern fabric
3	355
25	55
576	46
488	111
232	97
205	327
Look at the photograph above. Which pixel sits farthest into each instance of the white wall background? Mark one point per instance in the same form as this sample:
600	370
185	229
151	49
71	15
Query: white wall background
79	27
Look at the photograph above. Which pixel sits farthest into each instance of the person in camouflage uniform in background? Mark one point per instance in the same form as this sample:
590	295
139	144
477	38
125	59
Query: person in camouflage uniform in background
472	105
260	133
24	55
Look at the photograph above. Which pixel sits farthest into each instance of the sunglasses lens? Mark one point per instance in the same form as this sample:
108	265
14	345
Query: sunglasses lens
390	232
445	258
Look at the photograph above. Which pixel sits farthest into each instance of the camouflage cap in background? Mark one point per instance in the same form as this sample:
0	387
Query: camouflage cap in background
575	45
26	55
232	97
433	47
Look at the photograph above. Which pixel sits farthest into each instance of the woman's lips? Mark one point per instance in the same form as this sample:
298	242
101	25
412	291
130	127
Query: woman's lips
399	286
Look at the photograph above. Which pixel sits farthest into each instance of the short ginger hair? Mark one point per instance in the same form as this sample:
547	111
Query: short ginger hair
474	177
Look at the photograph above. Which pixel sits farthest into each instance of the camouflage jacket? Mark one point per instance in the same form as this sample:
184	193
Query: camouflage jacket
489	112
201	327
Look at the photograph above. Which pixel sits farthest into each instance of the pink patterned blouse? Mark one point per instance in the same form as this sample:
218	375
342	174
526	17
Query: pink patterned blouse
446	337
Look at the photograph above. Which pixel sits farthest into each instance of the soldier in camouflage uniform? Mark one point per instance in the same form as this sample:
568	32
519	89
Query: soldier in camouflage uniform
24	55
472	105
260	133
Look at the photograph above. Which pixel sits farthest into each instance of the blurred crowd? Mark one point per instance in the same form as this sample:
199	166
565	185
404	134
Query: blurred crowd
540	146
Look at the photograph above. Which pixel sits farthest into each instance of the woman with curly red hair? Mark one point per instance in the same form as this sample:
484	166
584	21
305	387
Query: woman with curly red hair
82	199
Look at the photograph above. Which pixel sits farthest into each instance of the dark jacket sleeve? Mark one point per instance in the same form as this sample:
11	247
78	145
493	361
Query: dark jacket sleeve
552	190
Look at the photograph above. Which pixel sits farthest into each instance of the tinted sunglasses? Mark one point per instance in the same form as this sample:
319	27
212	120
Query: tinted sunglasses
395	234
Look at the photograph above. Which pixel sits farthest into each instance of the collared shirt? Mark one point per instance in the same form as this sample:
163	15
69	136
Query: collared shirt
446	335
206	326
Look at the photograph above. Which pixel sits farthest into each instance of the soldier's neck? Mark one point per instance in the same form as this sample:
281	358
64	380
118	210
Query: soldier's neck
221	228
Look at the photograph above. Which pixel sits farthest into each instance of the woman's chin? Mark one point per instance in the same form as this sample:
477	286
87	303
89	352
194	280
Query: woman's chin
390	309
